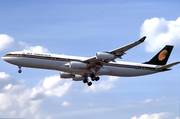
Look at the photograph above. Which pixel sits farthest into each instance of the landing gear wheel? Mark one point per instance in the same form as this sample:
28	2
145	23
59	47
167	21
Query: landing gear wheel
89	83
85	80
97	78
19	71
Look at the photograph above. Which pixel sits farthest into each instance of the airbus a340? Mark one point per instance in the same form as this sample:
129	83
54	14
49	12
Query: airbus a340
80	68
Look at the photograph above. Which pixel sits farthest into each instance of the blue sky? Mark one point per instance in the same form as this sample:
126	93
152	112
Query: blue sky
82	28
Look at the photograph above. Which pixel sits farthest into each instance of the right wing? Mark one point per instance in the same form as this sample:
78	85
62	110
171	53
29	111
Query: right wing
122	50
116	52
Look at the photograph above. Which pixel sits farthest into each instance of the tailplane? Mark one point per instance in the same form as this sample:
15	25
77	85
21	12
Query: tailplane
165	67
161	57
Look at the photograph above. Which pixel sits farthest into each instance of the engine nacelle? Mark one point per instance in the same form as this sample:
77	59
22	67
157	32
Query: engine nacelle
78	65
66	75
105	56
78	78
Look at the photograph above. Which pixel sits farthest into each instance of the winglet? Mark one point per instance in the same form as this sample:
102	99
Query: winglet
142	39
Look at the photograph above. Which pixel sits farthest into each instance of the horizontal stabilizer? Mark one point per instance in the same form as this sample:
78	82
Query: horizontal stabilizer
167	66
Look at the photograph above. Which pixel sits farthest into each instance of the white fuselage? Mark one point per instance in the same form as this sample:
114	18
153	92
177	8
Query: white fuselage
60	63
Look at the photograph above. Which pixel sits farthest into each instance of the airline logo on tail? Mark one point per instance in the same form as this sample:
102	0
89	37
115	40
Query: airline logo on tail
162	55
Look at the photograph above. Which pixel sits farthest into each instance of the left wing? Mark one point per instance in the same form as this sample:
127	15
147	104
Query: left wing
105	57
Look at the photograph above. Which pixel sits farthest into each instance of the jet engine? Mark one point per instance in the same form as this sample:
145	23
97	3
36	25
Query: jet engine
74	77
78	78
104	56
78	65
66	75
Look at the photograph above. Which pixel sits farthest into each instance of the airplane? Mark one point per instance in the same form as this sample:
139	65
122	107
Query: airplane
81	68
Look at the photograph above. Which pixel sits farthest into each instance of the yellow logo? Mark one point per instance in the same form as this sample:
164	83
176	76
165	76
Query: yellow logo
162	55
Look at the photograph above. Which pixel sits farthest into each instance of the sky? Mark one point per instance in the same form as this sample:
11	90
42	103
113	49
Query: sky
82	28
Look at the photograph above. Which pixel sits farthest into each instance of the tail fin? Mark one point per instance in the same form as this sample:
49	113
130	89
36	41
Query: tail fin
161	57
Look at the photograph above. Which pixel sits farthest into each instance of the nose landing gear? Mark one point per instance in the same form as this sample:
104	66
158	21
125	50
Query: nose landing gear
19	71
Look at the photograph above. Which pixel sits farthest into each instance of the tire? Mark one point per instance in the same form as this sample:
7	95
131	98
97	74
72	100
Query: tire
89	83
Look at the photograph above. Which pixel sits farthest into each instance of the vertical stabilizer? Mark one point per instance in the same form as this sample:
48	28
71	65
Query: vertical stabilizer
161	57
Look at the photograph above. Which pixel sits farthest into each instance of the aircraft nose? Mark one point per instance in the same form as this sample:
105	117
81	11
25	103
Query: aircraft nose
9	59
4	58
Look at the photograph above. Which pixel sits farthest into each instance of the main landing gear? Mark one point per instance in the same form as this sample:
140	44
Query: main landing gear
19	71
86	81
93	78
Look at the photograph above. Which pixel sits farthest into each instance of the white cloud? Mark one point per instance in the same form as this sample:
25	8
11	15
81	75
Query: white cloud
16	99
6	81
5	101
160	32
8	43
50	86
158	101
56	86
102	86
147	101
49	117
12	113
3	75
163	115
37	49
90	104
66	103
177	118
8	87
50	82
